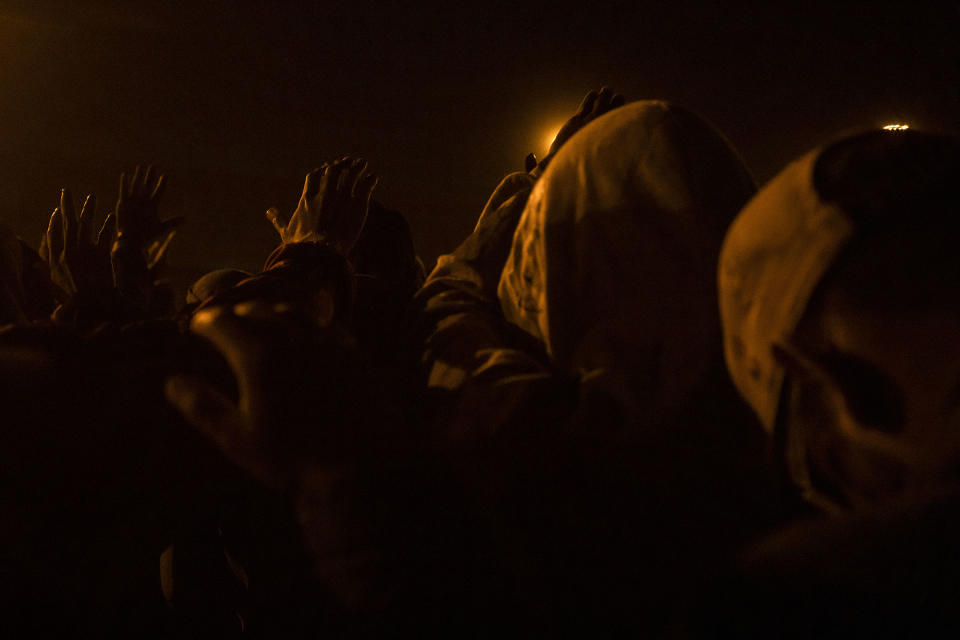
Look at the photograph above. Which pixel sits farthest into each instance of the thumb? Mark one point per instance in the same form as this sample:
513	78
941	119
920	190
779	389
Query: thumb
158	249
107	232
273	215
530	162
42	251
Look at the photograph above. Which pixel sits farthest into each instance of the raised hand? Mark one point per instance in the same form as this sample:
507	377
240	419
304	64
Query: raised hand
138	217
78	262
333	206
324	466
594	105
235	429
281	378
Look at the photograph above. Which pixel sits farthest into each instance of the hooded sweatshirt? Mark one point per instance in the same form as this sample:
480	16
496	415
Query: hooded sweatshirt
577	398
613	261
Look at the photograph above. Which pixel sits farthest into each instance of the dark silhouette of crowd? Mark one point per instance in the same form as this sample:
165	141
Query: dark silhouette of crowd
641	396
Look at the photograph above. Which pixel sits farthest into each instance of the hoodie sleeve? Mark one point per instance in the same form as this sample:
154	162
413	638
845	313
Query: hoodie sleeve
481	372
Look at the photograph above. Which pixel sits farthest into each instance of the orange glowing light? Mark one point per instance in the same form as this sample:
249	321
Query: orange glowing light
896	127
549	138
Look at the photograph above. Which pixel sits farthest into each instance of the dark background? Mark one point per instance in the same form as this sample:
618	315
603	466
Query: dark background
236	101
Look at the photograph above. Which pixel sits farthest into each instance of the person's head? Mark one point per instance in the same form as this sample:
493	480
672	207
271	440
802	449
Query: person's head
214	283
838	287
613	260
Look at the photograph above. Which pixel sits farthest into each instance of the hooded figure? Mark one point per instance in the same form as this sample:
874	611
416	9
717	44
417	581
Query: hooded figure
613	261
837	296
573	361
838	293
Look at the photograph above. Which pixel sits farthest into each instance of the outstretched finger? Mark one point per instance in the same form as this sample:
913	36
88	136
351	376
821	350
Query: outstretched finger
133	185
586	105
602	104
365	186
352	176
69	220
273	215
42	250
87	212
55	235
147	179
158	249
311	183
617	101
159	188
107	231
603	101
336	170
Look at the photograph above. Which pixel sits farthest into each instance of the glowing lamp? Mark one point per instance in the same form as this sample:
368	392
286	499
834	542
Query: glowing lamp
896	127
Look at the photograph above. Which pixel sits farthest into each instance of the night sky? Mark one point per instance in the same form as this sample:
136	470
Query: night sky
236	101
